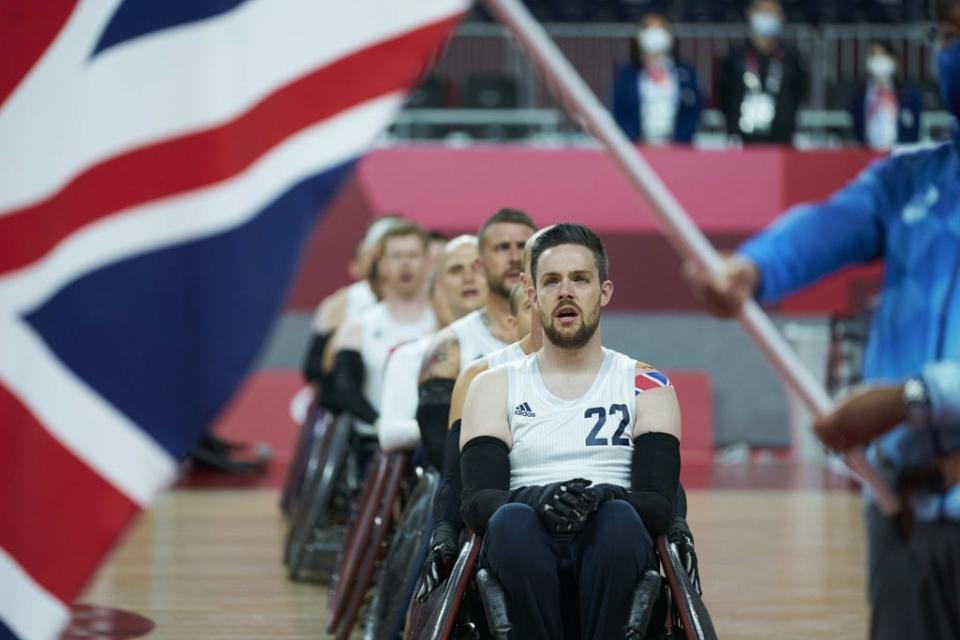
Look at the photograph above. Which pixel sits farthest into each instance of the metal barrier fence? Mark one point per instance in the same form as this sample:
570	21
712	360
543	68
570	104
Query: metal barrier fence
834	56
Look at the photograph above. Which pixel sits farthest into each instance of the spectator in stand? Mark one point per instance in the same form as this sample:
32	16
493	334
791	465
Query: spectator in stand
762	81
656	98
886	112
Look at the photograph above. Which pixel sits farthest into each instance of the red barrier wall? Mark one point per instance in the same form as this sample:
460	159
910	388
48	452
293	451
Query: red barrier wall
730	194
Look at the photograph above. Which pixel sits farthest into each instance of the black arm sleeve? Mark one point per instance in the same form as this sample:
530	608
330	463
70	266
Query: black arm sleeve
654	475
313	361
446	506
433	414
485	473
680	505
347	387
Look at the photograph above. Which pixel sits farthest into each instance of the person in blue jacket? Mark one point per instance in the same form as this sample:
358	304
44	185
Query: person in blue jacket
904	209
885	110
656	99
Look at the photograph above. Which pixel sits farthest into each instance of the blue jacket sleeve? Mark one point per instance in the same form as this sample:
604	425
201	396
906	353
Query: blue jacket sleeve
626	101
942	380
812	241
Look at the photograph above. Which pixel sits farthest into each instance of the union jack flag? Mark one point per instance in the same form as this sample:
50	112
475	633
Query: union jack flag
161	163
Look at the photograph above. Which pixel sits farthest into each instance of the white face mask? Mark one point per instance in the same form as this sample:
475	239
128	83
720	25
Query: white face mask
765	24
654	40
881	67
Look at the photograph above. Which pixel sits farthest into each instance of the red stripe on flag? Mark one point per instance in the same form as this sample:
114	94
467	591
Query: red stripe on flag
200	159
59	516
28	28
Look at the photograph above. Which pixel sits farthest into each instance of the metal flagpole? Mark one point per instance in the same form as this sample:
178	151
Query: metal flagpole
580	102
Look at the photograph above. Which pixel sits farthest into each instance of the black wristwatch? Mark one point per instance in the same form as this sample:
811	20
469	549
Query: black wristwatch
916	403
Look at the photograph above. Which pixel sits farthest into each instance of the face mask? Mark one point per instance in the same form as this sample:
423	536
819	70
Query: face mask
655	40
948	75
881	67
764	24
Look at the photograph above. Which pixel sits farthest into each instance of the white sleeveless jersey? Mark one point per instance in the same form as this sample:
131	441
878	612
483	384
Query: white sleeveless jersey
509	353
590	437
398	402
475	338
360	297
381	334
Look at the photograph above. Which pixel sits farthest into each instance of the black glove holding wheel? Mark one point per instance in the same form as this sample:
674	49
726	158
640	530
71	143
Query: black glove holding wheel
442	553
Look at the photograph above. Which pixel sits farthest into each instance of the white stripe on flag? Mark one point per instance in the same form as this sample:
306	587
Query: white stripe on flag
79	418
28	609
177	80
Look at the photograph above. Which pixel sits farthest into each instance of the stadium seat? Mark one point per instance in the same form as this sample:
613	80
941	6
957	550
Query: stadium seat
489	91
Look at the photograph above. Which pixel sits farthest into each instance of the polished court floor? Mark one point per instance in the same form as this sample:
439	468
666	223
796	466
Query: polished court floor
206	564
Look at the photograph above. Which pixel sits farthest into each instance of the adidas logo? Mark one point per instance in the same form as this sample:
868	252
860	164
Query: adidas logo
523	409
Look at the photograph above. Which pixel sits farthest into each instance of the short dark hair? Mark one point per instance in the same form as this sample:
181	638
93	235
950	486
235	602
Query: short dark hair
884	44
438	235
514	216
568	233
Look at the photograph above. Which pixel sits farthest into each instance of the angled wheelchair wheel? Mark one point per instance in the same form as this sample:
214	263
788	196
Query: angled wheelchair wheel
404	561
312	512
357	536
693	615
435	618
316	423
377	545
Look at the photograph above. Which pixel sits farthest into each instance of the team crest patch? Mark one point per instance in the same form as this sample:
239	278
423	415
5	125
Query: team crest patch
651	379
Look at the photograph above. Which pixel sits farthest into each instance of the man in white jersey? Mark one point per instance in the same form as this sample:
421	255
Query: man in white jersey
458	287
570	458
346	303
501	239
363	344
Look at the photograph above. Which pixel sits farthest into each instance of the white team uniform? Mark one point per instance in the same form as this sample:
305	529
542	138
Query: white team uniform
359	298
398	404
381	334
474	337
589	437
509	353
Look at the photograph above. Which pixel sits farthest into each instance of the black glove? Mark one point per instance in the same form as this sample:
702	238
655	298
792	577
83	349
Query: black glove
680	535
604	492
562	506
444	544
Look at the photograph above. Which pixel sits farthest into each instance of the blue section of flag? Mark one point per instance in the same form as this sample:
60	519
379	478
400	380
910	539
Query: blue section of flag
167	336
135	18
5	633
659	377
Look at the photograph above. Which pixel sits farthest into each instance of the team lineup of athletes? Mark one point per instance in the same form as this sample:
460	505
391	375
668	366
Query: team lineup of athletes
484	356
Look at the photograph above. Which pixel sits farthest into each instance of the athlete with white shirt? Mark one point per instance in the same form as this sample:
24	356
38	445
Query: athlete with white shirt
457	287
346	303
362	345
501	240
576	472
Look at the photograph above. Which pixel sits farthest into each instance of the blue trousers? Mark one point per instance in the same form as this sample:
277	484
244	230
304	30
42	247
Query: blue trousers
563	586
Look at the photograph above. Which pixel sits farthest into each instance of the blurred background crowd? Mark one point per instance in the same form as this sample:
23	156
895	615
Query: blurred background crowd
712	73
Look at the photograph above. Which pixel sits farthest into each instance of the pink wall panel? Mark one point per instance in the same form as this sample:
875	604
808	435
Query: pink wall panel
728	193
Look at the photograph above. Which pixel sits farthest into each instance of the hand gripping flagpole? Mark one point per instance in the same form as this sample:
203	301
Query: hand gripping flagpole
580	101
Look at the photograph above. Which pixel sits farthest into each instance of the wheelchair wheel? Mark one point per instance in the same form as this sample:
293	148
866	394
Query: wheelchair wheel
435	619
317	422
401	569
313	510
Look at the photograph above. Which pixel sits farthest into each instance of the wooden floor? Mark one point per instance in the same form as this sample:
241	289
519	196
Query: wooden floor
206	564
